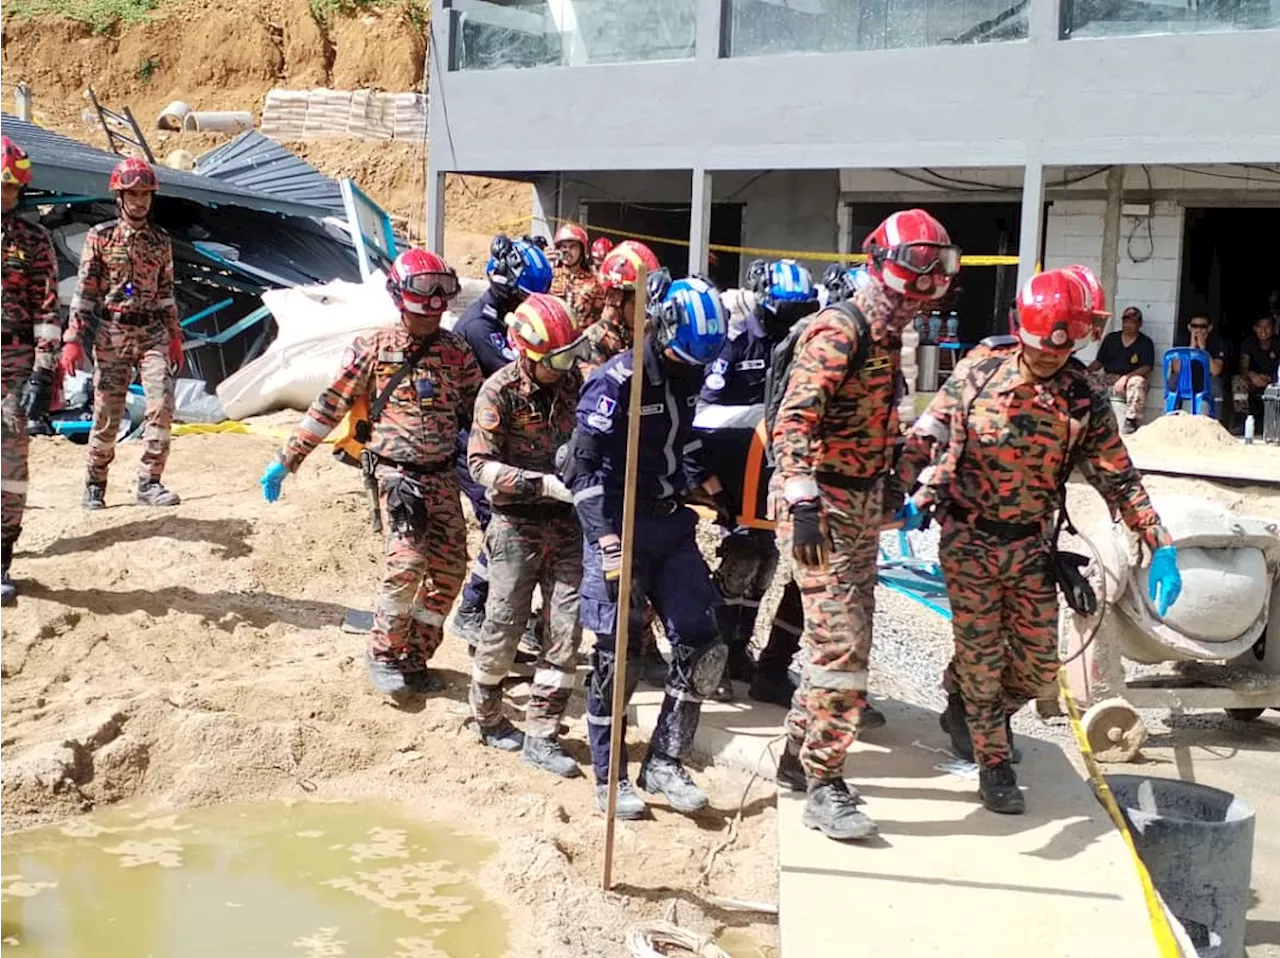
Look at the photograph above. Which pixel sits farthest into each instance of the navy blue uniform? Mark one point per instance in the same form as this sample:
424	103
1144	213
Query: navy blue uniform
667	569
736	377
484	328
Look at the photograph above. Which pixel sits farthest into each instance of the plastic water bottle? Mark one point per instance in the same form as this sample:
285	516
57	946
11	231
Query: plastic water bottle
1248	431
953	327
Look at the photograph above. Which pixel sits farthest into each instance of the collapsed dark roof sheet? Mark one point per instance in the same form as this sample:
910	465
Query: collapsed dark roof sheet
63	165
256	162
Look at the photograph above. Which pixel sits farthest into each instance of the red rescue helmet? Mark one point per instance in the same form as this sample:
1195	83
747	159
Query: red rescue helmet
1055	311
912	254
620	268
1097	296
17	165
541	329
572	233
421	282
132	173
600	249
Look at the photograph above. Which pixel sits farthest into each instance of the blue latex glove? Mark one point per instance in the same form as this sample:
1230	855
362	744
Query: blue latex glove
271	479
1164	583
910	516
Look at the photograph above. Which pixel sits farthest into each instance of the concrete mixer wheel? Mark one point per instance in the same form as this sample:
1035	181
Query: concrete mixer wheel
1244	715
1115	730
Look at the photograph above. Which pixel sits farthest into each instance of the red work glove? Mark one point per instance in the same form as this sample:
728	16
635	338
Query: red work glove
175	351
72	358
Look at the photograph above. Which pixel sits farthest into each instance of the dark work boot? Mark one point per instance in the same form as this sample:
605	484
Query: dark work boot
767	687
834	812
548	755
466	624
998	788
152	493
423	682
954	724
870	718
790	774
95	496
389	679
666	776
503	736
629	806
8	591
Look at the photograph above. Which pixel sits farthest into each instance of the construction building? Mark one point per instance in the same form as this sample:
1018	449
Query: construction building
1141	138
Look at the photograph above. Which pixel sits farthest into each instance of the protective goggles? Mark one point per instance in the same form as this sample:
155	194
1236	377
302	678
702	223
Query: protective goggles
135	180
925	258
562	359
443	285
566	357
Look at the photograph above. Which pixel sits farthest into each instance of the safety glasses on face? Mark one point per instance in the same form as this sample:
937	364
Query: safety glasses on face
443	285
926	257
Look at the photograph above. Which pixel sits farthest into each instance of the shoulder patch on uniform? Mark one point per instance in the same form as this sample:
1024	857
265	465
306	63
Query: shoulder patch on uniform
606	405
488	419
714	382
619	374
720	366
600	422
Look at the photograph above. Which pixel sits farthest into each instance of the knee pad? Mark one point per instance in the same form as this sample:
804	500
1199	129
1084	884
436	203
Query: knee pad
739	566
697	669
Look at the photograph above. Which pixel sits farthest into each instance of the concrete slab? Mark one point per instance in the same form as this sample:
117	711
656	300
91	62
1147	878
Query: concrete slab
945	877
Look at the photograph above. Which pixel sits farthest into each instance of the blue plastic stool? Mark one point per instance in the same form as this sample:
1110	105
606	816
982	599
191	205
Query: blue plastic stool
1183	389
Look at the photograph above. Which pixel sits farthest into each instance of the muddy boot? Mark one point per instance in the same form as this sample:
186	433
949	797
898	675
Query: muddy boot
660	775
8	591
423	682
998	789
832	810
548	755
870	718
95	496
1129	426
389	679
466	624
790	774
769	688
629	806
152	493
503	736
954	724
530	646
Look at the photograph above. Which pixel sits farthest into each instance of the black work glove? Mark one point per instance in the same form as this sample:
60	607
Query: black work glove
37	394
726	514
611	564
808	540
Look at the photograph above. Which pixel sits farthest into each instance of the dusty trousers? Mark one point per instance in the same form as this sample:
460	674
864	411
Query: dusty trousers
1004	610
839	604
527	551
117	351
422	576
16	364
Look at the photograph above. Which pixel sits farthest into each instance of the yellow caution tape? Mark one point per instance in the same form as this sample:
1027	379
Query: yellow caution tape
1165	941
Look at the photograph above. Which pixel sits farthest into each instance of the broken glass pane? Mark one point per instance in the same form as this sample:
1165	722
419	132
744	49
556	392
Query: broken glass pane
1109	18
762	27
490	34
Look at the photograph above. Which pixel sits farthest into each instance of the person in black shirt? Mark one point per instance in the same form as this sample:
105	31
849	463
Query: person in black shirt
1202	337
1259	357
1125	359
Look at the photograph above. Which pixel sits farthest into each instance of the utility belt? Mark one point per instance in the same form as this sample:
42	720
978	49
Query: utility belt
407	513
414	469
541	511
838	480
134	317
1004	531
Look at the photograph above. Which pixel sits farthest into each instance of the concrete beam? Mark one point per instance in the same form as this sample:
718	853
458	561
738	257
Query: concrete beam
699	220
434	238
1110	277
1032	219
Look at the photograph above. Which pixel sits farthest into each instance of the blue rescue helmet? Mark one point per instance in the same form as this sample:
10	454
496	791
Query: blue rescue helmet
517	266
692	321
841	281
782	281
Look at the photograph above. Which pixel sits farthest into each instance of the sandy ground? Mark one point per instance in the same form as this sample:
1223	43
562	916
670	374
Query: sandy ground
192	656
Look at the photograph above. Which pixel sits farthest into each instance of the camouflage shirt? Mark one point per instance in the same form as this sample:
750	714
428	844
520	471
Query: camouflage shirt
124	271
419	425
581	289
608	336
831	420
996	445
30	300
518	426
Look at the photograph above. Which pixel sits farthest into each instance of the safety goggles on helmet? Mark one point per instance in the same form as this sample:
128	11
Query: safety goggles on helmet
923	258
561	359
429	285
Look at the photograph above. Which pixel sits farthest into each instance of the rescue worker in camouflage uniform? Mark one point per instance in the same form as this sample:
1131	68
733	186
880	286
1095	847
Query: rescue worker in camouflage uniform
668	568
611	333
833	442
126	274
32	333
992	455
575	281
516	269
524	414
432	378
599	250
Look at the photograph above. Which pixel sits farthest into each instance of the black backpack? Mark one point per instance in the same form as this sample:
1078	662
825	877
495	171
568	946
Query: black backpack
775	382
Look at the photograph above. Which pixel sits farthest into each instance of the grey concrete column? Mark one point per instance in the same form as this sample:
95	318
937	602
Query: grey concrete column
1110	277
1043	21
435	209
707	35
700	221
1029	235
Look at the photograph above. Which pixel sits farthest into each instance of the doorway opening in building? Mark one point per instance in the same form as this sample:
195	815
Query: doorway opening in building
982	294
672	220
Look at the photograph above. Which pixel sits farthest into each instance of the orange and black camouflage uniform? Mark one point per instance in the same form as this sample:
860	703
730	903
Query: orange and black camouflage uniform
415	439
581	289
833	440
127	273
32	331
607	336
531	541
990	453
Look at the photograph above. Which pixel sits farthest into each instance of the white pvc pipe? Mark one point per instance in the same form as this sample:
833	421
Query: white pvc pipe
231	121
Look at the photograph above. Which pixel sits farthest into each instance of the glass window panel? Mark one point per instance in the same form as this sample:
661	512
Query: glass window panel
1109	18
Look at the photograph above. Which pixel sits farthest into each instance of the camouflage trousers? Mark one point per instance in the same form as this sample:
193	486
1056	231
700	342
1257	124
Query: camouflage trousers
16	365
117	351
839	605
1004	613
523	553
422	576
1132	389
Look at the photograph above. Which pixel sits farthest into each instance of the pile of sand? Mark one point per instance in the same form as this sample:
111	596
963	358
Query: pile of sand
1182	433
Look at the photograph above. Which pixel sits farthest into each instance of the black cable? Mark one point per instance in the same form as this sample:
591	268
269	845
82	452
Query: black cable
743	188
987	188
1224	176
1151	238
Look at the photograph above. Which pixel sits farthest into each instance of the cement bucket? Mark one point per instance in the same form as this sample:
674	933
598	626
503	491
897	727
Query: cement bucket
1197	844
